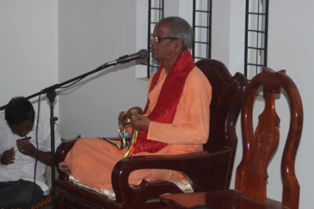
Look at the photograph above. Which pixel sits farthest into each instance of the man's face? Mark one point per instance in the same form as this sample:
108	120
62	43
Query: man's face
165	49
22	129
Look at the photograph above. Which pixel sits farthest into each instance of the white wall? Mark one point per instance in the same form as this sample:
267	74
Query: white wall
28	49
45	42
92	33
291	47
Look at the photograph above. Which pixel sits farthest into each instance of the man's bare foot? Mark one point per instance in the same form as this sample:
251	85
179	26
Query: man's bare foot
64	168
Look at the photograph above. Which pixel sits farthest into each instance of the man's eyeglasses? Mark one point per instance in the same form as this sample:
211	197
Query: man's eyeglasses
158	38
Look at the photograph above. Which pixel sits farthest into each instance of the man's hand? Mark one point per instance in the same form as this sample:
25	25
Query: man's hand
26	147
140	122
8	157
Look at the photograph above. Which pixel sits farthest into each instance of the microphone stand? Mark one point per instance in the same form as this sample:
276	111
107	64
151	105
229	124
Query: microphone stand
51	94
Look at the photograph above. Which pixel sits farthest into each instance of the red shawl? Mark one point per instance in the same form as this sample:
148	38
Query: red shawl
168	100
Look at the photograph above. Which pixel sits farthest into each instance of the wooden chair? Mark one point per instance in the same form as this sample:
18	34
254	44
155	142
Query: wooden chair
208	170
259	147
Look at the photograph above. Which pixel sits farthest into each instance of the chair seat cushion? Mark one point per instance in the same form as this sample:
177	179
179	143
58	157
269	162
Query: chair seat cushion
184	185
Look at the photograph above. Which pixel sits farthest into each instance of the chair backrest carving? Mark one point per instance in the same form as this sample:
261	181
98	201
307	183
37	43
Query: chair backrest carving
227	96
259	145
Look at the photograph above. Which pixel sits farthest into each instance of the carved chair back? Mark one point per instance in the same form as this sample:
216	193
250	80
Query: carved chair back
227	96
260	145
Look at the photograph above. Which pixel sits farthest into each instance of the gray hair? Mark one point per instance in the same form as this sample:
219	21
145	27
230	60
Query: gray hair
181	29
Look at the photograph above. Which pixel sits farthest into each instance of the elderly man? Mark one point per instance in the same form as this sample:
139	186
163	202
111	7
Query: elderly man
175	119
24	147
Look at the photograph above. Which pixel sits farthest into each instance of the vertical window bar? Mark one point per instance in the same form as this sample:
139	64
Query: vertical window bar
155	13
193	25
256	34
266	29
202	21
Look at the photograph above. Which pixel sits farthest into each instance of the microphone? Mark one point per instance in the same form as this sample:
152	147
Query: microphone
142	54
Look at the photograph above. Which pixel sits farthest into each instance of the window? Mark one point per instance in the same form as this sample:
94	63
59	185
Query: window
256	31
202	17
155	13
201	24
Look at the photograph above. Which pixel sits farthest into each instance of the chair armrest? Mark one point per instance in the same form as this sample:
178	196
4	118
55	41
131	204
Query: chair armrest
61	153
206	170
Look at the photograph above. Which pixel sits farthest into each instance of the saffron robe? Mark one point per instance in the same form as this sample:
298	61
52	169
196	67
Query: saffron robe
91	160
